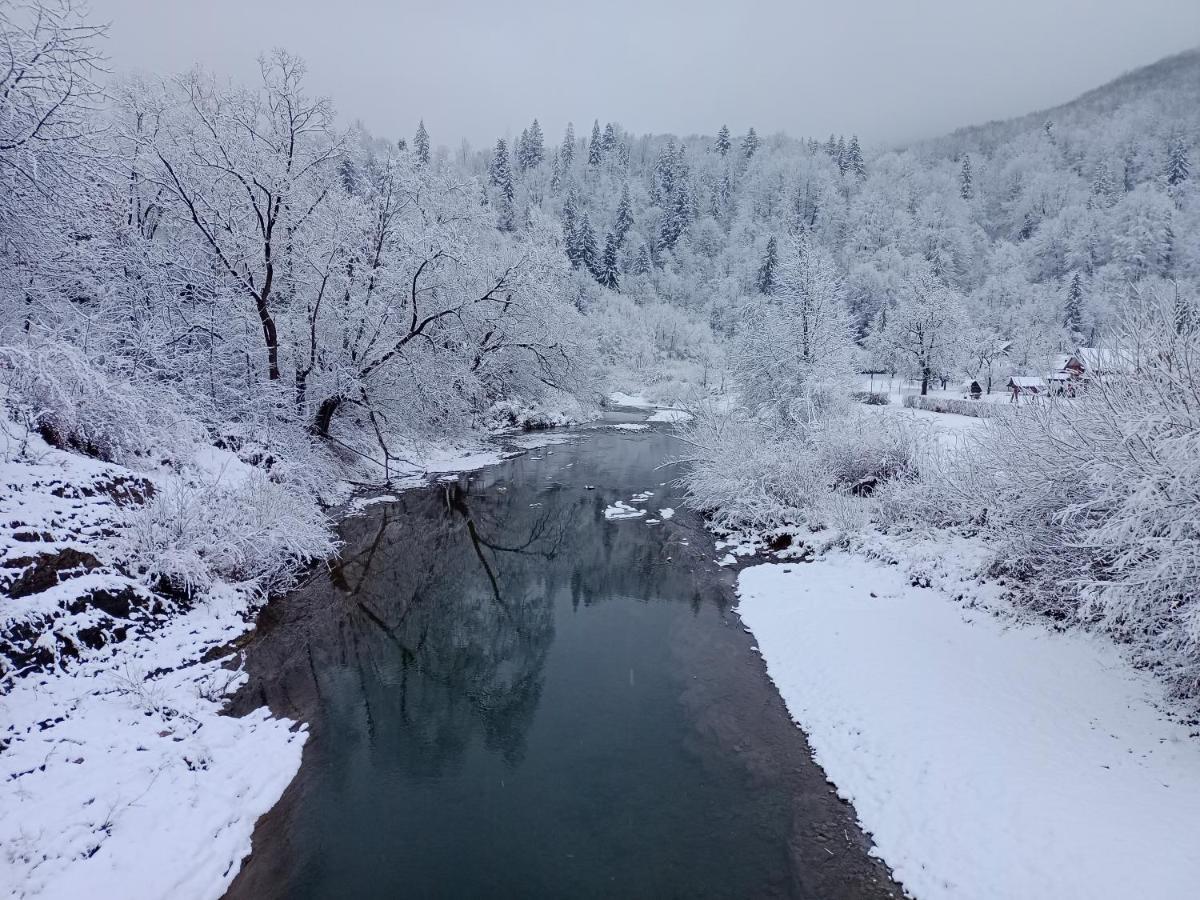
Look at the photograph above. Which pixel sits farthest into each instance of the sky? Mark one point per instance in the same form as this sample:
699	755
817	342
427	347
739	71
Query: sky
888	70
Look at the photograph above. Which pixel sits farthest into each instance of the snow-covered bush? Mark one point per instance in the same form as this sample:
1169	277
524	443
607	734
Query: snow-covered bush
1094	503
245	528
950	405
811	466
56	391
870	398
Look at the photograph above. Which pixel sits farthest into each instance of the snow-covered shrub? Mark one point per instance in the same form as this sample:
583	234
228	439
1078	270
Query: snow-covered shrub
950	405
242	529
870	398
859	449
73	404
748	473
809	466
1094	502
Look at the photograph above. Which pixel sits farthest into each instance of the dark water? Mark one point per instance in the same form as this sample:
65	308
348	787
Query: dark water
512	696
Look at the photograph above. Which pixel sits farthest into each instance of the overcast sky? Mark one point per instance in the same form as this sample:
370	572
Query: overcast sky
890	70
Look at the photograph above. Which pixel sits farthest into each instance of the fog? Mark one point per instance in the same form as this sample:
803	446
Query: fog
477	70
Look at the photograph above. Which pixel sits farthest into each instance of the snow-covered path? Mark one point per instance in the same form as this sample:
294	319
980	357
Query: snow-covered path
988	760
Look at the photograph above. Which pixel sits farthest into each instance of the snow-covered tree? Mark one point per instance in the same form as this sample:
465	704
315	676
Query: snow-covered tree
723	142
750	144
764	283
924	327
421	144
595	149
800	338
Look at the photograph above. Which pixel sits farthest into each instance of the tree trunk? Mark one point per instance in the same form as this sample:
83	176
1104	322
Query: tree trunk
271	336
323	418
925	381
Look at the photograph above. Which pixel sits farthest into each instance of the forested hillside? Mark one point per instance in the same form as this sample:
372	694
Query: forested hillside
193	266
1041	227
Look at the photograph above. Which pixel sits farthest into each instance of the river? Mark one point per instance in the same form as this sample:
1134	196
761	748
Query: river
511	695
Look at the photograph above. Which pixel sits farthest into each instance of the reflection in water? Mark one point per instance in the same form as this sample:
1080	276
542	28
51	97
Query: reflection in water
512	696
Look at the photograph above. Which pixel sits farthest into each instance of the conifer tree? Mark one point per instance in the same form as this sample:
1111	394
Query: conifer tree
1104	190
831	147
535	145
348	171
765	282
966	183
585	246
840	155
421	144
750	143
723	140
567	151
608	264
663	189
854	159
521	151
570	227
594	146
402	145
1178	168
642	263
500	173
1073	313
624	219
608	143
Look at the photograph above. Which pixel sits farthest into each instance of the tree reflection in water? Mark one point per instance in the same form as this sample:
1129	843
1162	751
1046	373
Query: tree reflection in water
435	627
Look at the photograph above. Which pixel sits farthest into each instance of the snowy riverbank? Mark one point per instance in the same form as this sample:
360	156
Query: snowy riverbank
989	759
120	774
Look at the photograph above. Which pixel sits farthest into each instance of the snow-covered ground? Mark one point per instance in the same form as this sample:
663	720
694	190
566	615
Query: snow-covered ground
122	779
987	759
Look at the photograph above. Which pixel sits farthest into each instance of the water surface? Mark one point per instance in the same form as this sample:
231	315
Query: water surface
514	696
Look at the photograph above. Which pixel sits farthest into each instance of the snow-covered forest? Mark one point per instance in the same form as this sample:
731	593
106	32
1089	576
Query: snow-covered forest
193	265
223	311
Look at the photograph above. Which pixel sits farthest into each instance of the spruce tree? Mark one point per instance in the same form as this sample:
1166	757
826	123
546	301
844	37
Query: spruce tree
535	146
594	146
831	147
567	151
570	227
1073	313
642	263
723	140
608	143
765	282
421	144
854	159
589	255
663	188
348	171
624	219
1104	190
608	264
1178	167
500	173
966	184
557	174
521	151
750	143
840	155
